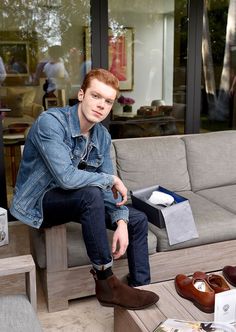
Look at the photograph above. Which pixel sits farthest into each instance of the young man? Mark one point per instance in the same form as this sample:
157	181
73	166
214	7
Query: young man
66	174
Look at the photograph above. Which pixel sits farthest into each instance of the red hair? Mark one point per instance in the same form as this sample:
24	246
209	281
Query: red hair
101	75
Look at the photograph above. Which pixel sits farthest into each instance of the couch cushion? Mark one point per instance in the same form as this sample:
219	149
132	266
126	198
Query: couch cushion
28	92
214	224
16	104
223	196
144	162
211	159
17	314
18	99
77	255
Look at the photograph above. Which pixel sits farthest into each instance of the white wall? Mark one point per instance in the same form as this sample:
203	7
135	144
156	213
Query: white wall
148	60
168	63
153	55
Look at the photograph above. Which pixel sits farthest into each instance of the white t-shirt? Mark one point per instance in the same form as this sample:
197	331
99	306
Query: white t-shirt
2	71
56	74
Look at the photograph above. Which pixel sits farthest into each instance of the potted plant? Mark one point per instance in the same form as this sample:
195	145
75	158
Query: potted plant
126	102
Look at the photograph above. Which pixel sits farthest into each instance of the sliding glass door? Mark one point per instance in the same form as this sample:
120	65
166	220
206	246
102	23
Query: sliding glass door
148	54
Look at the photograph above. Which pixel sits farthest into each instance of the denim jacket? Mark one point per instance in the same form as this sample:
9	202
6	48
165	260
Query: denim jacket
52	152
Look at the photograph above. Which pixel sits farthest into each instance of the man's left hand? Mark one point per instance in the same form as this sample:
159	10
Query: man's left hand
120	239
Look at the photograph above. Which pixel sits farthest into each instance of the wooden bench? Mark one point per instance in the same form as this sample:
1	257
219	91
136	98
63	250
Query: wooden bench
62	283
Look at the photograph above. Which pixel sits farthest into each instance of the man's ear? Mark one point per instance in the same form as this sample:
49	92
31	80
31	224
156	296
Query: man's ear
80	95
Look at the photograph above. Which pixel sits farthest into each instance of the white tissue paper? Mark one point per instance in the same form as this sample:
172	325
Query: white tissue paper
160	198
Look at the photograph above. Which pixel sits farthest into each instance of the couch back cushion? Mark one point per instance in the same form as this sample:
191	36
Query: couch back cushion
16	104
143	162
211	159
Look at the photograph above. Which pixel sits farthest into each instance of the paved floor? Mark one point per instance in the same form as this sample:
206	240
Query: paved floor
84	315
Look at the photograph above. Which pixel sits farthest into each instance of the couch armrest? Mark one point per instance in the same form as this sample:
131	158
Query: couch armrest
22	264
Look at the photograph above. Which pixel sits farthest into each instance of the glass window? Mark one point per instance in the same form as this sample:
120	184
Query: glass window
147	52
219	66
42	64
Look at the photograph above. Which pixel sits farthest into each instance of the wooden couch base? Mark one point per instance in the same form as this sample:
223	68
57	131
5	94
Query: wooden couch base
62	284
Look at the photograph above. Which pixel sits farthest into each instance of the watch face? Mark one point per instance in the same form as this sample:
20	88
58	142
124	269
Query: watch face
2	235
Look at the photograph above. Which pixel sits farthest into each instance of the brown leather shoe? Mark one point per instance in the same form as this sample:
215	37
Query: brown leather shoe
112	292
216	282
229	272
197	291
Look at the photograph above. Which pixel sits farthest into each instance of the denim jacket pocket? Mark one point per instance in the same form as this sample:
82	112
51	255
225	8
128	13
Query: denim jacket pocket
95	163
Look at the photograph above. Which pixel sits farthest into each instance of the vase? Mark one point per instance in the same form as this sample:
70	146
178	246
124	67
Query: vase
127	108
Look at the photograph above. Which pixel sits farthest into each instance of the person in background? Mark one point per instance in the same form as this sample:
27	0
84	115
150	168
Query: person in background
66	174
55	71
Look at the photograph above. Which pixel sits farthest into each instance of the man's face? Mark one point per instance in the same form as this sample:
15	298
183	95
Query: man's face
96	102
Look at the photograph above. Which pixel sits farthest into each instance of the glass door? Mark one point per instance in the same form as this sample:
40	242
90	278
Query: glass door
147	52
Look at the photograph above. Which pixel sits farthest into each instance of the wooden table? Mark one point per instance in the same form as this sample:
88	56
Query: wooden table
170	305
22	264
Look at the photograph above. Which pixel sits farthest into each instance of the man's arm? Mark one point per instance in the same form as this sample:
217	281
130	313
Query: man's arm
114	201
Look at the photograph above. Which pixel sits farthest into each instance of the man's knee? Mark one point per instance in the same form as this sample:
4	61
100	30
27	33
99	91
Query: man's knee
93	191
93	195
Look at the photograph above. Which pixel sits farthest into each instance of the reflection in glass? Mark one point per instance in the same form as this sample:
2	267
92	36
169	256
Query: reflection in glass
219	40
145	54
42	56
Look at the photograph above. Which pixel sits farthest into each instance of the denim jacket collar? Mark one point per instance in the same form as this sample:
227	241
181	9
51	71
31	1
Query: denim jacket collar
74	121
75	126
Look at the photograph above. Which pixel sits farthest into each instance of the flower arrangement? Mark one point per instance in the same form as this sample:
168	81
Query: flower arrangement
126	102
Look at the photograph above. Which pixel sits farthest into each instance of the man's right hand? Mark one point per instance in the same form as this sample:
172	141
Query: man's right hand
119	187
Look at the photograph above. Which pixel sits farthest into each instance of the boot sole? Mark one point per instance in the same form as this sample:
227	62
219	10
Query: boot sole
105	304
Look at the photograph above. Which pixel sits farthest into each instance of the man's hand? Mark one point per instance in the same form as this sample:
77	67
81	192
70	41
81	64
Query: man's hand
120	239
119	187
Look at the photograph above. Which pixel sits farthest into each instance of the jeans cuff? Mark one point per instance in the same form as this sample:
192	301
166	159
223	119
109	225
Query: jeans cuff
103	267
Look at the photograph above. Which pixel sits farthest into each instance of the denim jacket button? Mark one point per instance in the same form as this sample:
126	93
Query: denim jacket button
35	223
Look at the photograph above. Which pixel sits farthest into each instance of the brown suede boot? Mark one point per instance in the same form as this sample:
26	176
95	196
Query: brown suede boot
112	292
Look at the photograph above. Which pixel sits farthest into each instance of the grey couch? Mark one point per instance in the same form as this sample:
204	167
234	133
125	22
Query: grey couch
200	167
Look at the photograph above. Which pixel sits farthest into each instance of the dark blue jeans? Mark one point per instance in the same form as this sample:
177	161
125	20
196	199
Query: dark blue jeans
86	206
